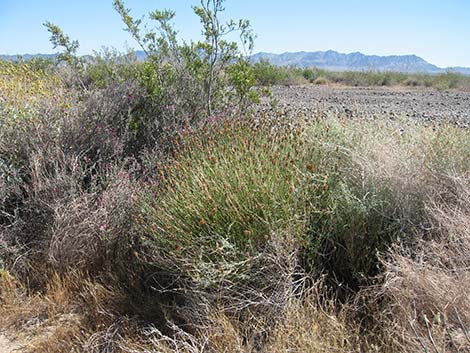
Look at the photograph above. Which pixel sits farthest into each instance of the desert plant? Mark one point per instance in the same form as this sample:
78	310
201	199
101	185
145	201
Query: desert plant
60	39
267	74
224	198
204	61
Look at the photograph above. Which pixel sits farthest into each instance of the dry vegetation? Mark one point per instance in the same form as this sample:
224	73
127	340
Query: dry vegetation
130	221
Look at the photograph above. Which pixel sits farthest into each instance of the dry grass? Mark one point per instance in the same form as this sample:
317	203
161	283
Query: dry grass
309	327
427	288
70	315
76	315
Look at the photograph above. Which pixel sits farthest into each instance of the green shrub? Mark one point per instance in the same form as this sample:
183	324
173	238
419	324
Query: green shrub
111	67
320	81
232	189
447	80
267	74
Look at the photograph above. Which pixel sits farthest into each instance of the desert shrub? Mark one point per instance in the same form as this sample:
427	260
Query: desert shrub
50	178
229	191
52	155
367	187
320	81
203	63
267	74
117	121
346	197
345	208
23	84
447	80
308	74
94	230
242	78
108	66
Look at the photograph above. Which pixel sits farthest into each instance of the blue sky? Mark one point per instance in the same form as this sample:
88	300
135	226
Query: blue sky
437	30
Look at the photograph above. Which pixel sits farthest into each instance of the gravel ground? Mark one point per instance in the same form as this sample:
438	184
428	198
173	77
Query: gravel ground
356	102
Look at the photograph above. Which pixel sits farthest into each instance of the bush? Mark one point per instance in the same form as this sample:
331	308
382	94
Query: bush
267	74
229	191
420	314
320	81
110	67
344	197
379	195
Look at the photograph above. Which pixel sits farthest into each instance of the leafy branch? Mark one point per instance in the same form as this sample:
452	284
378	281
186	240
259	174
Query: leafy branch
60	39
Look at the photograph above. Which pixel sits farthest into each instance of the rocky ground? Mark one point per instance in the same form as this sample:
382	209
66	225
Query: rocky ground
389	102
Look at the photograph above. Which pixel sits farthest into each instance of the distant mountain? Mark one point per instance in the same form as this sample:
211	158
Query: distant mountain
26	57
140	55
459	69
329	60
332	60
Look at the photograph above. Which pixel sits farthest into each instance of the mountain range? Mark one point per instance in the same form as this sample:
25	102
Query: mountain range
329	60
26	57
332	60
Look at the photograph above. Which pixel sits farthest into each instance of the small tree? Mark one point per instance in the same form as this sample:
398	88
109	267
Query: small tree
157	44
205	60
219	52
60	39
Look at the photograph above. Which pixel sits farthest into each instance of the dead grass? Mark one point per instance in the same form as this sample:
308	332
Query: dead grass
68	316
426	288
309	327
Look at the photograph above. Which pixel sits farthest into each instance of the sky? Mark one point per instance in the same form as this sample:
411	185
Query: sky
436	30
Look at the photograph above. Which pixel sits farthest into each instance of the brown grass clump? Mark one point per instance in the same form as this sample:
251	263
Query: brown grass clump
427	288
309	327
72	314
